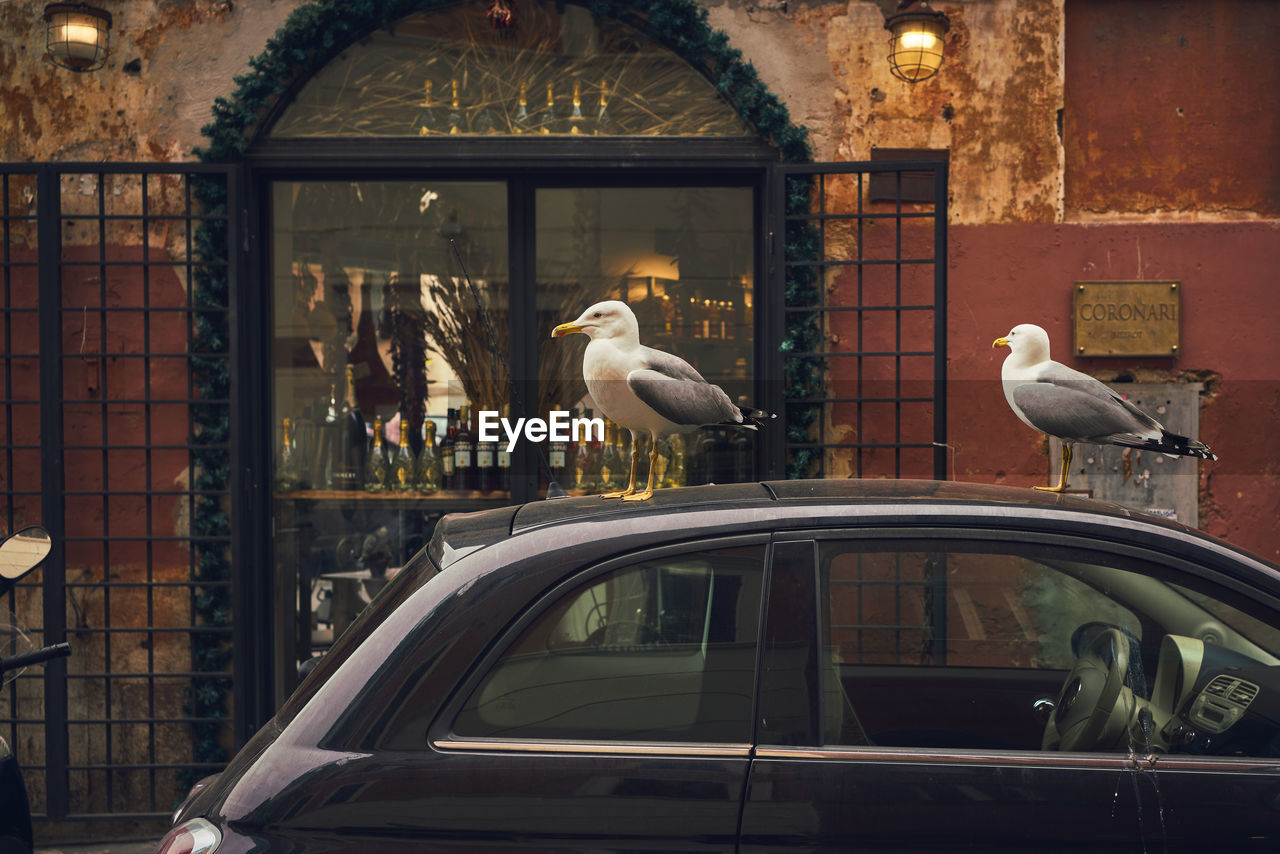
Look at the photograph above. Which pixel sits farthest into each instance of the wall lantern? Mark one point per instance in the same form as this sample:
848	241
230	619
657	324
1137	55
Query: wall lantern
77	35
915	48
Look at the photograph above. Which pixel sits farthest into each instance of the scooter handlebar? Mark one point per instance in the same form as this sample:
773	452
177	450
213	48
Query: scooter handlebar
36	656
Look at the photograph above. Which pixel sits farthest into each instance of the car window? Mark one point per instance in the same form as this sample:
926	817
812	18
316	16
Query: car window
660	650
974	645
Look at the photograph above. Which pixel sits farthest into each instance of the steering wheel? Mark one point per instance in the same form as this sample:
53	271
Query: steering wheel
1090	695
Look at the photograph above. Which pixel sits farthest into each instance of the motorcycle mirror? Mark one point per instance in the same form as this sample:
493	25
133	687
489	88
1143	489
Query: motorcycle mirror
23	552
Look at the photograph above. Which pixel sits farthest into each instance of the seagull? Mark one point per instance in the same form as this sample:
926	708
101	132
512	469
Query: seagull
1075	407
646	390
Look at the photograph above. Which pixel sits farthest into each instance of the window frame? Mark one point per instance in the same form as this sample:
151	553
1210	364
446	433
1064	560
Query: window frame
442	737
1162	565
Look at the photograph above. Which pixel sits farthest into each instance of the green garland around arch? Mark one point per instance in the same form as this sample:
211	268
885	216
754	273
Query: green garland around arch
311	36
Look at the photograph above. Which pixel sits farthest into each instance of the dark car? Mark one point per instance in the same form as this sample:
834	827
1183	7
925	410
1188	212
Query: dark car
807	665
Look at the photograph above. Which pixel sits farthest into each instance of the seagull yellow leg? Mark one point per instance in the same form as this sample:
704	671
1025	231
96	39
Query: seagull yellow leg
631	483
653	464
1062	475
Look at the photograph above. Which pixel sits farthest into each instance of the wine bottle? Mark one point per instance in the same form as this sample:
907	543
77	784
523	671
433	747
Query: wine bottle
464	451
676	472
486	464
503	458
446	450
557	458
377	469
403	469
428	475
584	479
288	474
352	436
610	459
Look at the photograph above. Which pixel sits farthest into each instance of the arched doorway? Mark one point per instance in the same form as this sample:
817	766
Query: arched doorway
434	196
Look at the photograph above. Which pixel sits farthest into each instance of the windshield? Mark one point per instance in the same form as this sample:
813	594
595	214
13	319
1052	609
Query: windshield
417	572
1256	631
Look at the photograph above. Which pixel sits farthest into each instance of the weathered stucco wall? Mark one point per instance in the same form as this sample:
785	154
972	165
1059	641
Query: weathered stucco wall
169	60
1053	112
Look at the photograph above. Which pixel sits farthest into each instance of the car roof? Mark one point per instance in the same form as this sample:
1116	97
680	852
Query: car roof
459	534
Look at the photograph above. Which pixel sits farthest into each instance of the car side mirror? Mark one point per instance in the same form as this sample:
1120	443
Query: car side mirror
22	552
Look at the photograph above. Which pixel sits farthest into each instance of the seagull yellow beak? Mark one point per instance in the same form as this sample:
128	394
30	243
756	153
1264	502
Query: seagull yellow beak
564	329
999	342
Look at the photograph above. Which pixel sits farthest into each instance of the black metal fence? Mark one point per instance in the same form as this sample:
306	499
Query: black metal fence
116	394
861	293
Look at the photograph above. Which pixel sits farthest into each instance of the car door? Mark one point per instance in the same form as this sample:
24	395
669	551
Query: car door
921	684
615	715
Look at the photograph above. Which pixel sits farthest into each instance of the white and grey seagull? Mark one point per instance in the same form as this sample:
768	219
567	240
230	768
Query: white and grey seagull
1075	407
646	390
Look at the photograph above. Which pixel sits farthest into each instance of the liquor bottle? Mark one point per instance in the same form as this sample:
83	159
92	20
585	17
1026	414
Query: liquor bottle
723	318
732	319
557	458
349	448
547	121
576	119
520	121
288	470
486	464
448	477
404	467
428	477
455	120
694	317
604	121
584	468
710	319
464	452
425	119
610	459
502	459
377	470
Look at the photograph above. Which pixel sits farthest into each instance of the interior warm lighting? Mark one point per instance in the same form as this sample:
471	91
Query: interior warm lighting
77	35
915	48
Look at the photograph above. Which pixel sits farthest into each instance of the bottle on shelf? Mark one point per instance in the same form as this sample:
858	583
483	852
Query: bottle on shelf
732	318
455	119
547	120
676	472
448	476
502	459
464	452
404	467
427	475
347	472
288	468
487	474
610	459
585	478
520	120
557	460
377	469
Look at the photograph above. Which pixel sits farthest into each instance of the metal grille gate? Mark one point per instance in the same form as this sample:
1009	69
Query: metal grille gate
860	308
115	380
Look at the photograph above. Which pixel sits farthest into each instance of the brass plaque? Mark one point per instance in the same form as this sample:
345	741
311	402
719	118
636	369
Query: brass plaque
1127	318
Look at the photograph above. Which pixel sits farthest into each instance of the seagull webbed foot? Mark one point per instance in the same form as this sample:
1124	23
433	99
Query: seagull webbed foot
639	496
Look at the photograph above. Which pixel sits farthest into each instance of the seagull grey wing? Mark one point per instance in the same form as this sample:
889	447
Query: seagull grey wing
1077	415
1062	376
670	364
683	401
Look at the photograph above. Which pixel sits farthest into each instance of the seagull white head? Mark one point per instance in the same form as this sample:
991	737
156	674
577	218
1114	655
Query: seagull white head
1027	343
609	319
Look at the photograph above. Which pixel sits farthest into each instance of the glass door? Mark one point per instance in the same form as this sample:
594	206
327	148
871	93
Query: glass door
390	367
382	351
